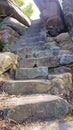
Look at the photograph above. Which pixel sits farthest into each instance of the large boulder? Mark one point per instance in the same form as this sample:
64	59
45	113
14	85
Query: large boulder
60	83
68	12
14	24
52	15
9	8
62	37
7	61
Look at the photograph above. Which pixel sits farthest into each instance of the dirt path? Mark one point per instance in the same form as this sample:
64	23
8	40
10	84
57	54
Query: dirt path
54	125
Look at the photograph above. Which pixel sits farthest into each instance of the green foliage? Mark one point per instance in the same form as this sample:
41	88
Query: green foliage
28	10
19	2
68	117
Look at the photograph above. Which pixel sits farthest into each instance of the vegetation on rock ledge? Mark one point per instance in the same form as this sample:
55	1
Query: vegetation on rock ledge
28	10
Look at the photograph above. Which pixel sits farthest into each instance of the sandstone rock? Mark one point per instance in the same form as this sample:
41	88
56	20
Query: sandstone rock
61	83
67	46
50	43
59	70
8	35
7	61
55	49
41	53
21	87
53	17
32	73
41	107
65	59
14	24
50	39
5	76
65	52
61	75
55	60
9	8
62	37
48	61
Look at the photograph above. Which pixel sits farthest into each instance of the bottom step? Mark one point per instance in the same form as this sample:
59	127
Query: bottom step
37	107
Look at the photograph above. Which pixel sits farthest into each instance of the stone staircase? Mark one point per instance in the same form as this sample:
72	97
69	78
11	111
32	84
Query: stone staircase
35	92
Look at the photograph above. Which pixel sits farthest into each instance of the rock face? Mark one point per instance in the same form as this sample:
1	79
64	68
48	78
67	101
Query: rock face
49	61
9	8
68	11
8	35
52	15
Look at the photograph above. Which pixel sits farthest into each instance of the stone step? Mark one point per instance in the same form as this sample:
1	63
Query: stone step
35	28
36	34
36	38
57	84
39	35
34	42
33	39
32	45
22	108
49	61
32	36
21	87
41	50
36	53
32	73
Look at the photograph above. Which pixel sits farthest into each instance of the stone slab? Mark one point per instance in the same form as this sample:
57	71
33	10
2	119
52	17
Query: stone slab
50	61
57	84
32	73
60	83
66	59
20	87
34	106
